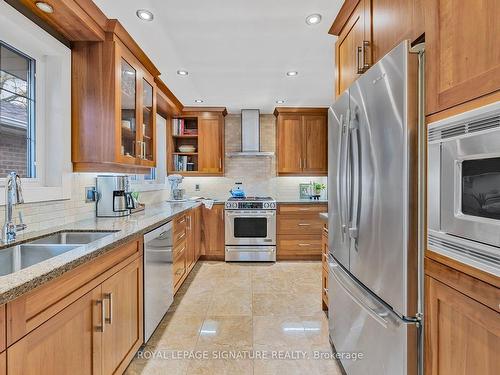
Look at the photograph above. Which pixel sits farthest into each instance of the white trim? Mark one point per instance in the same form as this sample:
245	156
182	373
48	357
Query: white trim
53	106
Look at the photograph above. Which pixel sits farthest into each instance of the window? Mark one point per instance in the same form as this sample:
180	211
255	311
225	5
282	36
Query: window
17	112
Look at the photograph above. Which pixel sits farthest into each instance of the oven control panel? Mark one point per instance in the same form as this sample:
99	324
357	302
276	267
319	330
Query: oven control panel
249	205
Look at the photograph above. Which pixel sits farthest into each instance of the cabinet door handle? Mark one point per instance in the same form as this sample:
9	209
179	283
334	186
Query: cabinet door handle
109	297
220	164
181	236
304	225
365	65
179	271
359	51
300	163
100	328
304	244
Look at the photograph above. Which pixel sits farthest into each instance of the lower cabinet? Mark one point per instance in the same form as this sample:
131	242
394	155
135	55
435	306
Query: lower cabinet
123	321
462	335
324	268
68	343
95	327
212	232
299	231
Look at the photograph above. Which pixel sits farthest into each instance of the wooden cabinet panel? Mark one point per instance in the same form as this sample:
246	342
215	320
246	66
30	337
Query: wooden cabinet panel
347	49
190	240
197	232
289	144
212	232
301	141
462	54
315	147
394	21
307	225
324	272
3	330
295	247
462	335
210	145
68	343
301	209
324	288
3	363
123	326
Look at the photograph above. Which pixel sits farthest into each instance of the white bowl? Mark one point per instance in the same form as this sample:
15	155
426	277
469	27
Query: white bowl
187	148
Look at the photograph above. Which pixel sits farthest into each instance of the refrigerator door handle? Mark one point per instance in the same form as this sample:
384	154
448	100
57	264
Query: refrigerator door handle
347	175
355	168
379	312
342	174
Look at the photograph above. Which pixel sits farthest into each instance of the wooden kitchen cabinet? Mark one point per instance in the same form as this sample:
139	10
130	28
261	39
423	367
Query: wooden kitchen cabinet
197	232
87	321
3	363
205	134
462	322
212	232
68	343
324	268
301	141
299	231
367	30
113	108
123	319
461	52
353	43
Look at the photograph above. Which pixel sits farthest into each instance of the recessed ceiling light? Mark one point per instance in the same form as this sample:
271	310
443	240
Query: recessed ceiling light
44	7
198	101
145	15
313	19
182	72
281	101
292	73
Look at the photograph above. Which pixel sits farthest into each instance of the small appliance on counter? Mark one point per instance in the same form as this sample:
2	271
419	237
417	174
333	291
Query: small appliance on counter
237	191
113	196
176	193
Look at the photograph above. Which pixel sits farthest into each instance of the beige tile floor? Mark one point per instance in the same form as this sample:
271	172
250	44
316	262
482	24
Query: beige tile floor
253	313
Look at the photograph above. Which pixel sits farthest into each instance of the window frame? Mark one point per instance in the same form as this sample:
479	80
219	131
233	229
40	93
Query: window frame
31	133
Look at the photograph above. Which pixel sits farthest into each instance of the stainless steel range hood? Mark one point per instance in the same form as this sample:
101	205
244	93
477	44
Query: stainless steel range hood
250	135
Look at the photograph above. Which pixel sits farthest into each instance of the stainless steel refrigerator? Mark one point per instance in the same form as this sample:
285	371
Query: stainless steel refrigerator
374	261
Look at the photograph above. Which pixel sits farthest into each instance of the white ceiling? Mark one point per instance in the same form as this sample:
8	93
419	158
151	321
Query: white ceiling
237	52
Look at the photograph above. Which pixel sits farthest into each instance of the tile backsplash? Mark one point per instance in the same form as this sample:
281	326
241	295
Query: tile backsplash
258	175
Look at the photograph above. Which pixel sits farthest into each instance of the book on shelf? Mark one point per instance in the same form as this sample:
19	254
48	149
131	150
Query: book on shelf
179	128
180	163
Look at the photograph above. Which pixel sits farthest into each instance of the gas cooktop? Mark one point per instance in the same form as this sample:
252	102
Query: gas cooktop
250	203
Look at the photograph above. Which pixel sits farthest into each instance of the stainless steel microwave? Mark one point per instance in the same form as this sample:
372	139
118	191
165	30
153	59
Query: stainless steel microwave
464	186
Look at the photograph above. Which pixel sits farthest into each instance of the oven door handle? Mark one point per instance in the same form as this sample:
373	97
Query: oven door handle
250	214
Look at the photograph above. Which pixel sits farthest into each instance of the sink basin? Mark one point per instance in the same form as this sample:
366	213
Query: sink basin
22	256
79	238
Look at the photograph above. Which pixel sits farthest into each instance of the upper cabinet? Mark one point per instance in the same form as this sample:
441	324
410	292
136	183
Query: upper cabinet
369	29
196	142
301	141
462	52
113	107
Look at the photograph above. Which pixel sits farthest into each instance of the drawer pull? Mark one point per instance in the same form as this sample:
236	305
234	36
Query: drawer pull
304	244
179	271
304	225
181	236
325	290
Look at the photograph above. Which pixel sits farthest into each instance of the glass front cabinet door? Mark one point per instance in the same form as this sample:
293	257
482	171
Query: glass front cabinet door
136	115
146	143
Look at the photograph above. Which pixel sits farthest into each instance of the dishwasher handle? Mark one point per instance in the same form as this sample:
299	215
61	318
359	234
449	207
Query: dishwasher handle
158	232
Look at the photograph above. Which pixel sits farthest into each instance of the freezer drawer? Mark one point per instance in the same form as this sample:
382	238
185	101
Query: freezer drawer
361	323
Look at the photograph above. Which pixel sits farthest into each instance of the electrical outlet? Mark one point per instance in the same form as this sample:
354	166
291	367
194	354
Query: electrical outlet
197	187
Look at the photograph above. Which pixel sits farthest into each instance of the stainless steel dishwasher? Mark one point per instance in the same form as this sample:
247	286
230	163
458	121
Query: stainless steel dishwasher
158	278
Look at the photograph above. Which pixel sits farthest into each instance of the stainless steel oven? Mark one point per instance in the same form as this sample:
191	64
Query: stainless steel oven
464	185
250	229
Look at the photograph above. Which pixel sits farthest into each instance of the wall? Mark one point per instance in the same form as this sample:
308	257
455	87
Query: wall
258	174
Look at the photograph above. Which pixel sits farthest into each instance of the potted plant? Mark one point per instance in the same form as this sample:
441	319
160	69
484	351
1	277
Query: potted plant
318	187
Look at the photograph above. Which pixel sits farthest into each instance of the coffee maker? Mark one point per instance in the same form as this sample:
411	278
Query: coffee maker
113	196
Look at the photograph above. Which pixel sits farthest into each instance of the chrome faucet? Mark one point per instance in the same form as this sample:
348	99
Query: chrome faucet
13	196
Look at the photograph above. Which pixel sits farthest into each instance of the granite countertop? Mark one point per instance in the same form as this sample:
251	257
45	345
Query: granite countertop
324	216
302	201
22	281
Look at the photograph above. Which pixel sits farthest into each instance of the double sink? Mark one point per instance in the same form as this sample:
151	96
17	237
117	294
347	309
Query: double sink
21	256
